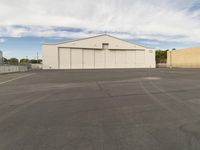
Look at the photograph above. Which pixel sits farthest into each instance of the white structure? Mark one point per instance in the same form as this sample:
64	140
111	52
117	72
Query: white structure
1	57
98	52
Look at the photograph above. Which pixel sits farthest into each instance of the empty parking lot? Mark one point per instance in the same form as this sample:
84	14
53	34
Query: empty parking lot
127	109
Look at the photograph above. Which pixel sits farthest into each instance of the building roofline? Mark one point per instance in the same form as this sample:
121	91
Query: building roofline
69	41
130	42
188	48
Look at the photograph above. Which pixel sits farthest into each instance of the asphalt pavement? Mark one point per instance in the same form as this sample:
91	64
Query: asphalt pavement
120	109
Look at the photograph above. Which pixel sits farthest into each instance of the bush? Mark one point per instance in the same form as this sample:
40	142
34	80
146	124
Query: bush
161	56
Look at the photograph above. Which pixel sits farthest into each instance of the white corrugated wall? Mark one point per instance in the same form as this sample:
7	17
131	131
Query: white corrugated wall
96	59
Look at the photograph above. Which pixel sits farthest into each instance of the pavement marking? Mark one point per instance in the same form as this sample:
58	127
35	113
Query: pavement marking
152	78
27	104
1	83
158	101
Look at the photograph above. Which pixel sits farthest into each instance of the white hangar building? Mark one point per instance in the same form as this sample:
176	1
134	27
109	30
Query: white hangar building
98	52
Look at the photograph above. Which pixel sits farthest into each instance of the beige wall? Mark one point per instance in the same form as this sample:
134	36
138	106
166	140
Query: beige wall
50	56
184	58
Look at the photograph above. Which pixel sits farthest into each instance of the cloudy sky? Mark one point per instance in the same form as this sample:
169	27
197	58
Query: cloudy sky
164	24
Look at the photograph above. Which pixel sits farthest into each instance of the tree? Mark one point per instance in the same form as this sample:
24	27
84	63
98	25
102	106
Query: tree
13	61
34	61
161	56
5	60
24	61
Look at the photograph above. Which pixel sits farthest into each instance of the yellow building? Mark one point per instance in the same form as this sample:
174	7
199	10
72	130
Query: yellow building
184	58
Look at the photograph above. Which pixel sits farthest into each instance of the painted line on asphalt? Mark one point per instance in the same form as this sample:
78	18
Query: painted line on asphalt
1	83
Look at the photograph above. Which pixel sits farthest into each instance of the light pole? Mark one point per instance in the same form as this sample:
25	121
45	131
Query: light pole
170	51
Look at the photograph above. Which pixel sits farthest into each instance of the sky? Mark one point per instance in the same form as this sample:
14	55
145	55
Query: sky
163	24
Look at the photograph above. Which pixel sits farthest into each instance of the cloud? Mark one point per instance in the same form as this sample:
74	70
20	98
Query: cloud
2	40
151	42
169	20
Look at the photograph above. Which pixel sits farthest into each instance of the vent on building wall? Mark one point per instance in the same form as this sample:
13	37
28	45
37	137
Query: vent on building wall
105	46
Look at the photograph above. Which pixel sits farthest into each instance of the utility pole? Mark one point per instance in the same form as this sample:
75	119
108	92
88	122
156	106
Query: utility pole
37	58
26	61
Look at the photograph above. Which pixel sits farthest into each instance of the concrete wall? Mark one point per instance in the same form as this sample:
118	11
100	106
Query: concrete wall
184	58
10	69
36	66
161	65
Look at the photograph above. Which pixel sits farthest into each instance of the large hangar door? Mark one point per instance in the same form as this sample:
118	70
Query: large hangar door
88	59
64	58
110	59
121	59
130	59
140	59
99	58
76	59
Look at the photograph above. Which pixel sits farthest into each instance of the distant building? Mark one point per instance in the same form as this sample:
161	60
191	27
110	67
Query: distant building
1	57
184	58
